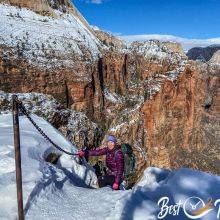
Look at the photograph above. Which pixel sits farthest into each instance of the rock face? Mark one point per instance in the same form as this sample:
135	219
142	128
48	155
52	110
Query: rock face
45	41
55	54
182	121
109	40
148	94
203	54
39	5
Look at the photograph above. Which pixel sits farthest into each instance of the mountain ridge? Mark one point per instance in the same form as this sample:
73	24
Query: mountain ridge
203	53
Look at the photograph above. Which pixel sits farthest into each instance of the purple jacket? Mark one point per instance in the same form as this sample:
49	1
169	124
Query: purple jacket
114	161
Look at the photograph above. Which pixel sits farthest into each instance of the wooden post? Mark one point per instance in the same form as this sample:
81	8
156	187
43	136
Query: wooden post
17	158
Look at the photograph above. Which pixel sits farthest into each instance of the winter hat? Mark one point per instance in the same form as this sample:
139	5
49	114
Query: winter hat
112	138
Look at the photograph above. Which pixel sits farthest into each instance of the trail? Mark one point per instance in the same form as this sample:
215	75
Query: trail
74	202
62	191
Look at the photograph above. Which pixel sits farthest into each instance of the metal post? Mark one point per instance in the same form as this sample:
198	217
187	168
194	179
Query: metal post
17	158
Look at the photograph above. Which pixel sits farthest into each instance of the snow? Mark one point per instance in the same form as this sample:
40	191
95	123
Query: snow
215	60
77	120
37	173
112	97
117	127
68	190
95	28
178	186
38	38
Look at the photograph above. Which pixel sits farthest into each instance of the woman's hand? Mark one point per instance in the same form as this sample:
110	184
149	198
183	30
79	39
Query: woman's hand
81	153
115	186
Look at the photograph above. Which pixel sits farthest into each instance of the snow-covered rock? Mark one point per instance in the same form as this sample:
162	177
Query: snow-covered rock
112	97
37	103
161	51
81	130
153	83
46	41
109	40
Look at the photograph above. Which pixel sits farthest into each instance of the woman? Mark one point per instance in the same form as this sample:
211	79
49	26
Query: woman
114	162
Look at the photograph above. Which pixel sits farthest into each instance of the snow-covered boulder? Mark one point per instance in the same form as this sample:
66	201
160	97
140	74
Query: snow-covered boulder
180	194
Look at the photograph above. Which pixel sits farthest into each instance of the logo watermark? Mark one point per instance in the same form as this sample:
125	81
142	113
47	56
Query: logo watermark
193	207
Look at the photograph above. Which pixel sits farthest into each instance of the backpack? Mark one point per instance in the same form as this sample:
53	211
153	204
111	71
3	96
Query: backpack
129	163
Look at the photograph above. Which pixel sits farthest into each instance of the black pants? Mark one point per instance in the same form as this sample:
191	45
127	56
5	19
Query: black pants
106	180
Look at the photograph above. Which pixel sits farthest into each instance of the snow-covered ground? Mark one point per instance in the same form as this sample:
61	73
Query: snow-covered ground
68	190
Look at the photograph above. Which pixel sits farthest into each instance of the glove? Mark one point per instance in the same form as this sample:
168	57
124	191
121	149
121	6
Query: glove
81	153
115	186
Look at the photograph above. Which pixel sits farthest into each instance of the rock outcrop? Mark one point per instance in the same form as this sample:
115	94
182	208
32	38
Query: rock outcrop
109	40
76	126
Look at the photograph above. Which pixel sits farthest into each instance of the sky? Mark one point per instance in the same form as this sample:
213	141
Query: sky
184	18
137	19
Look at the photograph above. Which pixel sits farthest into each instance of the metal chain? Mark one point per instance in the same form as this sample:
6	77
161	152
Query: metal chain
24	111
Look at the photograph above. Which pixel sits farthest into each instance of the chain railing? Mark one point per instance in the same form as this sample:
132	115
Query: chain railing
25	112
18	105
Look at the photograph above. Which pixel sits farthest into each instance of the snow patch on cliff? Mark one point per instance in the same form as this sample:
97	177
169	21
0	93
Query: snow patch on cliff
112	97
153	83
215	60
